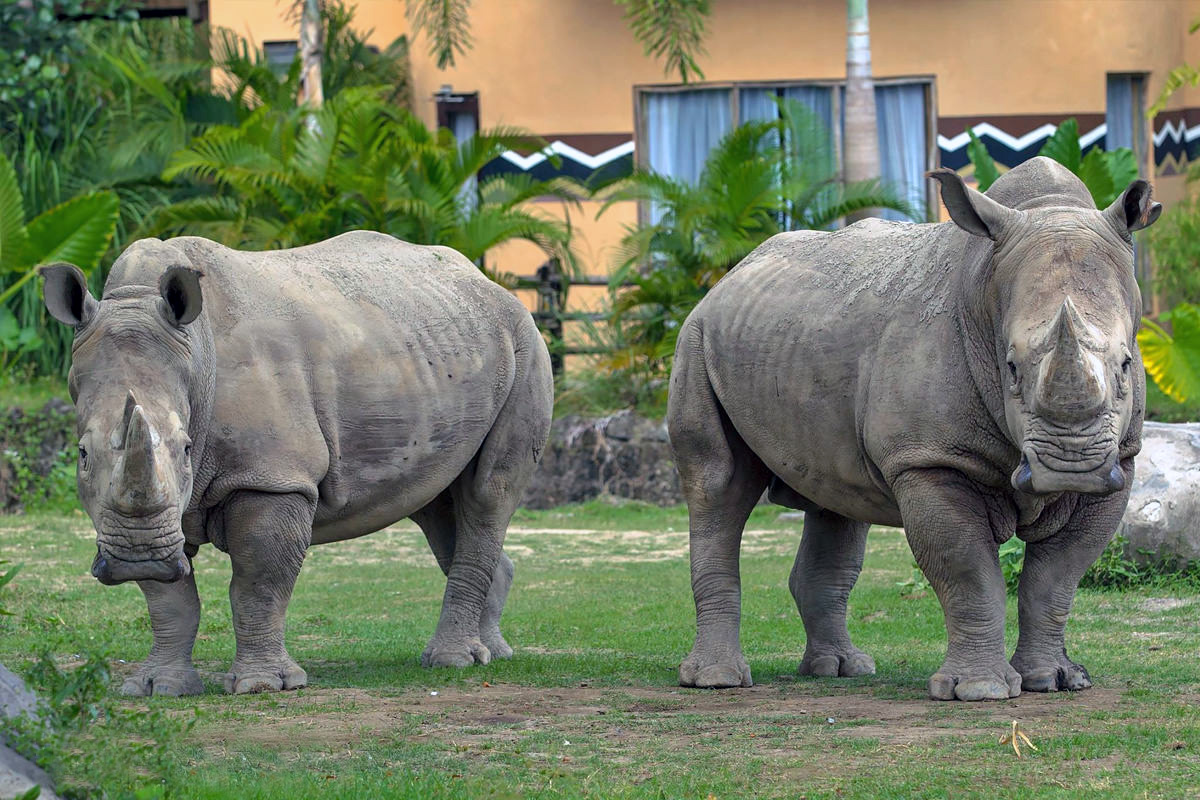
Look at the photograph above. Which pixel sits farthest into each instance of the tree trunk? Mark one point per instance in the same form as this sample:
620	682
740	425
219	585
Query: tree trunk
861	135
310	54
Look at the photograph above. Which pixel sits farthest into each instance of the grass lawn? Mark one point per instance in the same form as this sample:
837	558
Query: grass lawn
600	616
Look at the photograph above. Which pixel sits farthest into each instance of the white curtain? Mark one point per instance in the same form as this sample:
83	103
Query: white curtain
681	129
903	145
1119	114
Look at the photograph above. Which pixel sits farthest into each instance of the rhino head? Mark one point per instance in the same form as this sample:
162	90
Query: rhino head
139	383
1053	309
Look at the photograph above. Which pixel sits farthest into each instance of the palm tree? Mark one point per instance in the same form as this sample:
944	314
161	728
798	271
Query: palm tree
861	127
672	30
751	187
365	164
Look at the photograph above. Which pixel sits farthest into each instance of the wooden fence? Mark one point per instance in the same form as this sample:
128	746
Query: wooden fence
552	286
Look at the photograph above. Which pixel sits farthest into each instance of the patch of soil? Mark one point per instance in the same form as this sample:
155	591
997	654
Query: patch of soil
333	717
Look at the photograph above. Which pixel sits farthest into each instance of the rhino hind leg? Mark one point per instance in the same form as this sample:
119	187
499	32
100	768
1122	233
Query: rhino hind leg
484	498
437	521
267	535
827	565
174	619
722	480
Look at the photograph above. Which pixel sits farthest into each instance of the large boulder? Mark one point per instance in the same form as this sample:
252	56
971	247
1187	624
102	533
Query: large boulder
18	774
1163	516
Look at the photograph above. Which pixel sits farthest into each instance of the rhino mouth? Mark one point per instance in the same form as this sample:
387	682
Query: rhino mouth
146	548
1044	473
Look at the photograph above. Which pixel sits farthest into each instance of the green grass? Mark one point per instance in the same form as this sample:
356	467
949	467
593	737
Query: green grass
600	616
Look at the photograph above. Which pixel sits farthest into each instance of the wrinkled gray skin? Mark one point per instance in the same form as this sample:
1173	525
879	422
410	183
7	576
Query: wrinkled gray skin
968	380
300	397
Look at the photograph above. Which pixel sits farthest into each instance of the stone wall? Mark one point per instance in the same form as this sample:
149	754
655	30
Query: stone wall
623	455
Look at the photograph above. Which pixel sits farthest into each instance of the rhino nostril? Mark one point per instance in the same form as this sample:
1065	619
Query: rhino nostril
1023	478
1116	478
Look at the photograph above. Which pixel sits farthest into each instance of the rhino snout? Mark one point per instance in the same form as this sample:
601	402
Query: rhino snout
111	570
1033	476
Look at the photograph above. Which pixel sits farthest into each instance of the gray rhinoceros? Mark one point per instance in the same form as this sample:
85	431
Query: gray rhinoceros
304	396
968	380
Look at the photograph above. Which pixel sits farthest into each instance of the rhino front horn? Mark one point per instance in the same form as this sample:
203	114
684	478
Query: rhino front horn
1069	388
139	488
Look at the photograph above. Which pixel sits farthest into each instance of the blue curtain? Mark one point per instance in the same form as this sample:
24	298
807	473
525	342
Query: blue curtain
1119	112
464	126
903	145
681	129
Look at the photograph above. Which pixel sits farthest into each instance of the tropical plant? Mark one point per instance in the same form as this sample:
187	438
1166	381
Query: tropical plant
280	181
762	178
1172	359
1105	173
1175	243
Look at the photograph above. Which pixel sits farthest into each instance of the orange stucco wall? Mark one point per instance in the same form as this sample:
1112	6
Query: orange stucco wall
569	66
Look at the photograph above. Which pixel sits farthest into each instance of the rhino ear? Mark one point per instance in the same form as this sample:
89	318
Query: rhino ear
1134	209
180	290
972	211
66	295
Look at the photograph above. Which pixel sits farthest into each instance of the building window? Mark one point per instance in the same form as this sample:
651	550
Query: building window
1124	117
676	127
459	112
280	56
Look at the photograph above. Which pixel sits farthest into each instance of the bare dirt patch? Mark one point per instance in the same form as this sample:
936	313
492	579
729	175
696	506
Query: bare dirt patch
631	717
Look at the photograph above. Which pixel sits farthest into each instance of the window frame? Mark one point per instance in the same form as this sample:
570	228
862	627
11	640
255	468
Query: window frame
642	90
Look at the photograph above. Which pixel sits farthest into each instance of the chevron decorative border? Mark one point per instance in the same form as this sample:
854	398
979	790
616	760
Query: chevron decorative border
580	156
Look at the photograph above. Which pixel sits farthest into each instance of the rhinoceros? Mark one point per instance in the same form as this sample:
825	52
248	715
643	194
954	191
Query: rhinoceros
968	380
300	397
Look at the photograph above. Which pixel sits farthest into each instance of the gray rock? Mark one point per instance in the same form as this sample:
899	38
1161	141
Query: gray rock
1163	515
18	774
15	697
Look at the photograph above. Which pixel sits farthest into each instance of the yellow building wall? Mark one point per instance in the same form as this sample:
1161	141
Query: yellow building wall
569	66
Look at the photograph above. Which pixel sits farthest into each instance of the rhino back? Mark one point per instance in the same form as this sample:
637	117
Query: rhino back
813	334
363	368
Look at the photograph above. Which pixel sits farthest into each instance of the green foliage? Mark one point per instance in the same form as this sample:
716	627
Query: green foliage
1177	78
1105	174
1115	569
1175	243
1012	560
37	448
6	579
287	177
82	726
985	166
672	30
749	189
445	23
40	41
1172	359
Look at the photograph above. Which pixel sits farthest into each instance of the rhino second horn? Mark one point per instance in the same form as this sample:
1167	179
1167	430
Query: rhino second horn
139	487
1069	388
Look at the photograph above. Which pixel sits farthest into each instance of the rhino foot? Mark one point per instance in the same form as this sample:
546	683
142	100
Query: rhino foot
1051	674
847	663
997	683
456	654
258	677
496	645
165	681
715	670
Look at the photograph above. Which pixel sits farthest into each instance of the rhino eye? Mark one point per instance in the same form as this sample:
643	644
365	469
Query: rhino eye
1126	364
83	457
1012	370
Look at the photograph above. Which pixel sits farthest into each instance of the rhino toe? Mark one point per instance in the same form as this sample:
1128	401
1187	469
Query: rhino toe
456	654
163	681
707	671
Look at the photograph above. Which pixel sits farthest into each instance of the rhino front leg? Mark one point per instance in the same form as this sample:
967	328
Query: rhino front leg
827	565
267	536
951	534
1049	578
174	619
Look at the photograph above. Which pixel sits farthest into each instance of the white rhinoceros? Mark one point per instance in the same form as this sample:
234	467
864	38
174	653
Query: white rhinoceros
304	396
968	380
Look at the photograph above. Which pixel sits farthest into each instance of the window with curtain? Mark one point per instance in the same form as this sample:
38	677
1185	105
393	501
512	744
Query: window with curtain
280	56
678	128
1124	115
